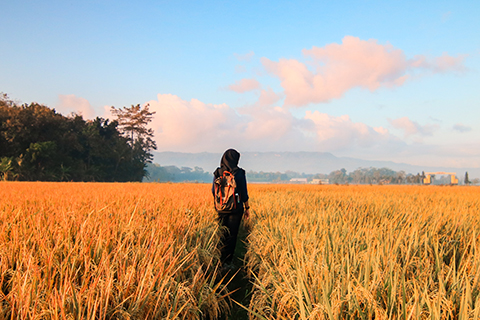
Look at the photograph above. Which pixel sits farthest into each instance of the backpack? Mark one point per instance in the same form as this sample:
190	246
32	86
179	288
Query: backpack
226	196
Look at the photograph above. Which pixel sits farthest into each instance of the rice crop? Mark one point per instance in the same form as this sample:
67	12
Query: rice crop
108	251
365	252
150	251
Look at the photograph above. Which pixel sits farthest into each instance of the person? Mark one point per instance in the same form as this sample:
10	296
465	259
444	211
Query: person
231	219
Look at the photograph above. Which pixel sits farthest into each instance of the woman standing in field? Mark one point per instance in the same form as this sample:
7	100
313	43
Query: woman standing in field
230	216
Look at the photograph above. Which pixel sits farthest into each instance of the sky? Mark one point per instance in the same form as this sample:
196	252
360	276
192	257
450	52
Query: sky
375	80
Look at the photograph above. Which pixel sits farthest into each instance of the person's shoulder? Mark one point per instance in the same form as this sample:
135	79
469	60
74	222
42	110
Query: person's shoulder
240	172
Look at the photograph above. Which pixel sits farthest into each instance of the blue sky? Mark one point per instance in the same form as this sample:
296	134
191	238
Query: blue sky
369	79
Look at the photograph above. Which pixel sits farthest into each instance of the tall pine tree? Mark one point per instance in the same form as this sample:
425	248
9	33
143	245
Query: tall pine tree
133	122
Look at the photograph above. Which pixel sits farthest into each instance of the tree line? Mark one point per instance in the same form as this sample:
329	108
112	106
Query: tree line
386	176
38	143
158	173
383	176
341	176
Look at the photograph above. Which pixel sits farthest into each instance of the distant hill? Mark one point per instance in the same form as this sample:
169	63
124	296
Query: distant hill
306	162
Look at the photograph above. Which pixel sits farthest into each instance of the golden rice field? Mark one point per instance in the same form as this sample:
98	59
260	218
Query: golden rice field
150	251
108	251
366	252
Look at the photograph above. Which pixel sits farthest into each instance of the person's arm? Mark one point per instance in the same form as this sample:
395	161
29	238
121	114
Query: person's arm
213	186
242	186
246	204
246	213
241	179
213	182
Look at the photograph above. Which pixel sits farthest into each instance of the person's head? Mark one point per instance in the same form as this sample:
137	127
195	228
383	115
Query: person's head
230	159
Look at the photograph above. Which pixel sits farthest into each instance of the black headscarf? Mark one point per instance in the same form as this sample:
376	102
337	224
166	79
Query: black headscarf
229	161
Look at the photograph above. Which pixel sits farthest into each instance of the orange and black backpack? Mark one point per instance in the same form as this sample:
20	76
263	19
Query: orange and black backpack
226	195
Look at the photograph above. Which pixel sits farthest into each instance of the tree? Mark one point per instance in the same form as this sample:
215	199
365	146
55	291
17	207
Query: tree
467	182
133	122
338	176
7	169
5	100
418	178
37	143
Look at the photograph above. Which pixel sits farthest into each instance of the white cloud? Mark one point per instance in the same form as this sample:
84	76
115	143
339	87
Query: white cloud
193	126
245	85
443	64
339	133
70	103
410	127
337	68
268	97
462	128
270	124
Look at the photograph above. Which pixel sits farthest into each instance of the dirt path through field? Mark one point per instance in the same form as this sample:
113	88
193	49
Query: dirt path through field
240	283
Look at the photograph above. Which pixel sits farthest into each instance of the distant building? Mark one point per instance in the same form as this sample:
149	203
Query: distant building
299	180
429	179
